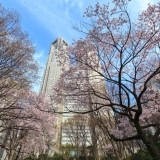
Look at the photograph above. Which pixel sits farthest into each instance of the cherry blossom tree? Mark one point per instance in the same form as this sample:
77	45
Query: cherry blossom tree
77	132
18	69
22	113
31	129
16	52
115	69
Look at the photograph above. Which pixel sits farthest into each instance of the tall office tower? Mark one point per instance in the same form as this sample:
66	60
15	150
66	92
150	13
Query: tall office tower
50	77
52	70
76	130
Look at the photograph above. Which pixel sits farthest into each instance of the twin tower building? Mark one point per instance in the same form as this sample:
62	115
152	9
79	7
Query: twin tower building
51	75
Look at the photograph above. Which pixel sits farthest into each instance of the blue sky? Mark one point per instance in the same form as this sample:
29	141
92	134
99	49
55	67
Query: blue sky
45	20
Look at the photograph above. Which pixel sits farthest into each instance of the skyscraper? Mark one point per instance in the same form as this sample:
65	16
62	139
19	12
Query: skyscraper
52	70
76	127
50	77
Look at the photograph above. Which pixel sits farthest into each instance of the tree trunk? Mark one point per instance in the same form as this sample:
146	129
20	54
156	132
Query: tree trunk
19	150
94	139
152	149
11	155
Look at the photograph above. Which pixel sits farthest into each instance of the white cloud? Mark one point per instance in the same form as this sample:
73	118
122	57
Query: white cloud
66	1
80	4
52	15
73	3
56	15
143	4
39	55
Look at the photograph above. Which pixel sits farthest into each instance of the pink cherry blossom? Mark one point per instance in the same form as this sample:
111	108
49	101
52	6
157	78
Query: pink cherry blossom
116	66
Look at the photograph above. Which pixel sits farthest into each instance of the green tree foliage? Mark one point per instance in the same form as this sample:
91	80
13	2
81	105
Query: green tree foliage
141	155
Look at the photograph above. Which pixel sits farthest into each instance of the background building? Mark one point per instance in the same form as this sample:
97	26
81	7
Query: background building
52	70
72	129
51	75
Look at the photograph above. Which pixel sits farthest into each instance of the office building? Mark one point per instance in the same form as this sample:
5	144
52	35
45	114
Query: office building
52	70
51	75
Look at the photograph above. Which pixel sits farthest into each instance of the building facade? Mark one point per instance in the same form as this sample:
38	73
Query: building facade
52	70
51	75
71	129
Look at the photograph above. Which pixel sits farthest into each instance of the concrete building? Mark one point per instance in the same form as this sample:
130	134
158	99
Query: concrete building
52	70
51	75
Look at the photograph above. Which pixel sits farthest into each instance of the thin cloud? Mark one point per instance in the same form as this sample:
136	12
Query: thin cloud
39	55
72	3
51	15
57	15
143	4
